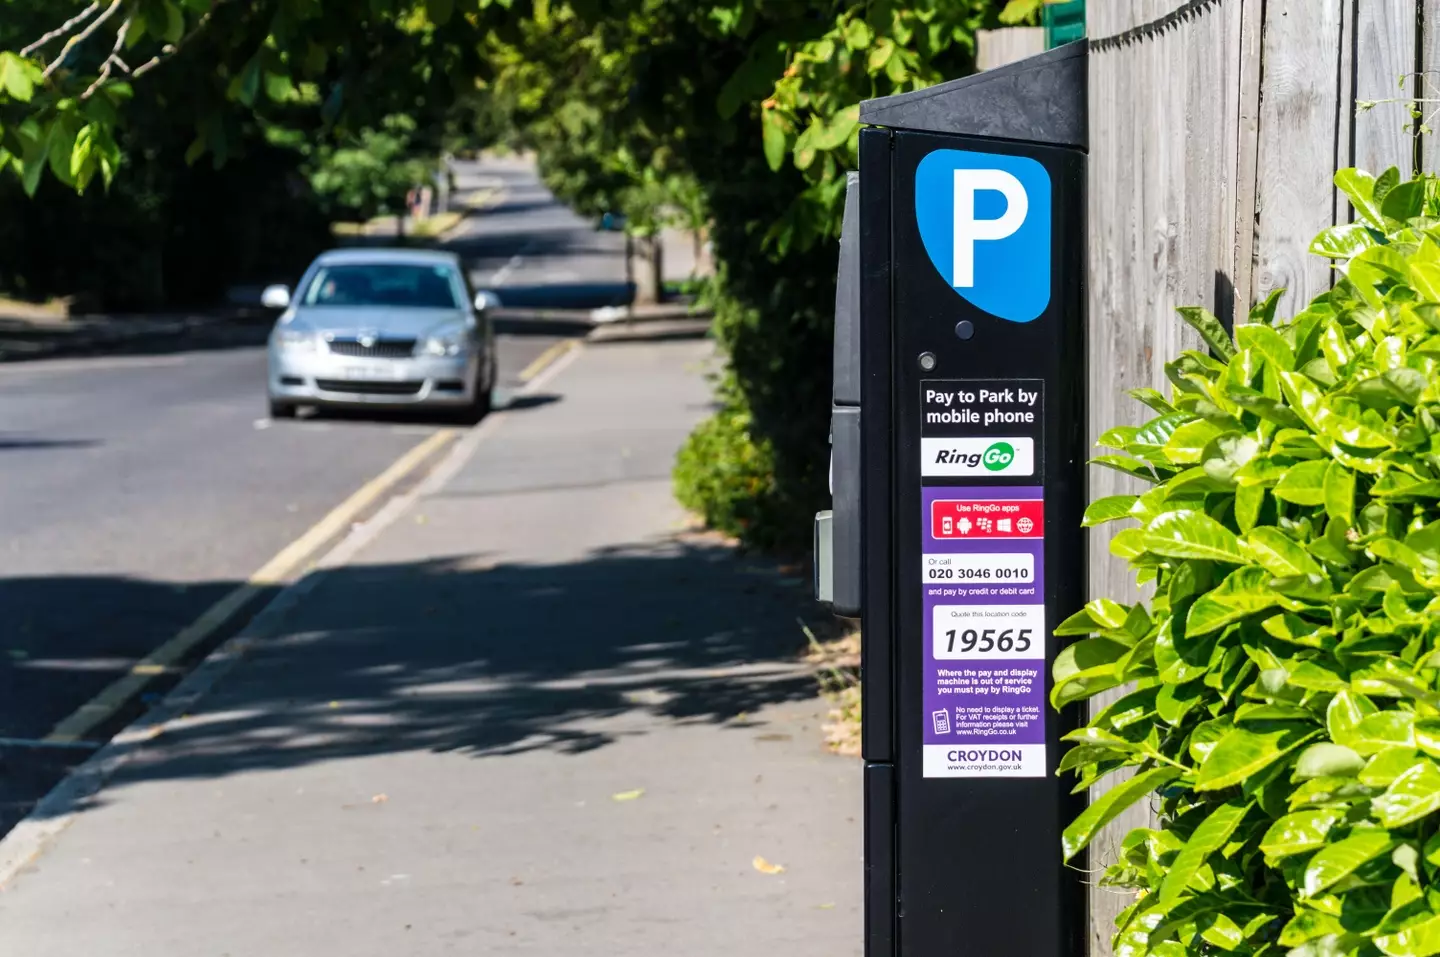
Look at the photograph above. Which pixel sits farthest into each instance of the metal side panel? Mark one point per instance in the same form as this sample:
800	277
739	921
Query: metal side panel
877	649
880	899
846	388
845	595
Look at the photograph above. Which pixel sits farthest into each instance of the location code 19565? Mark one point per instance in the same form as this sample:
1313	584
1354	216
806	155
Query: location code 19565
979	568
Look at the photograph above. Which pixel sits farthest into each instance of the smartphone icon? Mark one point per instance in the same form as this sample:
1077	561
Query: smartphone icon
947	525
942	721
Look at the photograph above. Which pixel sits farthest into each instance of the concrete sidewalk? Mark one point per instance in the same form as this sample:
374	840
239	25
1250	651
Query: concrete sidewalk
529	715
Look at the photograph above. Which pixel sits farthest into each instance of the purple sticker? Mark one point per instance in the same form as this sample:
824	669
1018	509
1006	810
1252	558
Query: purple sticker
984	627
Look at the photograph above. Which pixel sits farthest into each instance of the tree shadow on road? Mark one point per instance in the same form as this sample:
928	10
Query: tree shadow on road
463	656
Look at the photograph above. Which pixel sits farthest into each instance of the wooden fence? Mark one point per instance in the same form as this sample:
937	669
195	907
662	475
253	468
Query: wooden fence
1216	127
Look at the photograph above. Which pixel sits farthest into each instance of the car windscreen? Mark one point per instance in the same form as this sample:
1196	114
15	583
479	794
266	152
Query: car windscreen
414	285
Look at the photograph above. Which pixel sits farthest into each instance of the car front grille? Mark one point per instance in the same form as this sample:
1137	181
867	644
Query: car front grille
377	349
368	387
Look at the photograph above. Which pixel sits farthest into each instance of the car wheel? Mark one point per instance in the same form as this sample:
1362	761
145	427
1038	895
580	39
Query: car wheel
281	410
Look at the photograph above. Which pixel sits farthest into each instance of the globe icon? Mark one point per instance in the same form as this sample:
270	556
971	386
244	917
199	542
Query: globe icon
1025	526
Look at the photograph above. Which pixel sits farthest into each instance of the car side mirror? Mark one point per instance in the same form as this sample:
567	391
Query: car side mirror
486	300
275	297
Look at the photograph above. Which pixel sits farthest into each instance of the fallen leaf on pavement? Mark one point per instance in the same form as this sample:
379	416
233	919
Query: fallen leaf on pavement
765	867
627	795
380	799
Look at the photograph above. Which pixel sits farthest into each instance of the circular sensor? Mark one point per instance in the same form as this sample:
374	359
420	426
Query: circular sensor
927	361
965	329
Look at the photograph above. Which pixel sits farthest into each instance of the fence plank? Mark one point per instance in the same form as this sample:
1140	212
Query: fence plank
1251	28
999	47
1299	104
1384	68
1428	86
1164	181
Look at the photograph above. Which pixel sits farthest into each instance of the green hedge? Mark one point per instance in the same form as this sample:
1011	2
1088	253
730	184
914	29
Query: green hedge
1282	706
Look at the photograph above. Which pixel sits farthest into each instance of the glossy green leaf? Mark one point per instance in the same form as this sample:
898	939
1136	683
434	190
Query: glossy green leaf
1129	465
1153	399
1339	860
1186	445
1108	509
1359	186
1191	534
1249	499
1210	329
1344	242
1299	832
1384	729
1327	760
1245	751
1244	592
1209	837
1387	765
1405	201
1339	490
1268	343
1427	736
1303	484
1419	940
18	76
1411	796
1109	805
1281	555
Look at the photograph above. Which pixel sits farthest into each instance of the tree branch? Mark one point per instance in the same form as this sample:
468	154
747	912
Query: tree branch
81	37
111	60
61	30
170	49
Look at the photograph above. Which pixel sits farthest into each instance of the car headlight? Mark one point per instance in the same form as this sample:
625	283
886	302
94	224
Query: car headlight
451	342
295	340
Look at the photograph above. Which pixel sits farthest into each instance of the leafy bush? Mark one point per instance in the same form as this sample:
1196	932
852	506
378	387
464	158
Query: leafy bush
725	473
1284	704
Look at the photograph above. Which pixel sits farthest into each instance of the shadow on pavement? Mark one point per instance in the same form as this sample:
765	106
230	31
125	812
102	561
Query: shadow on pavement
19	443
463	656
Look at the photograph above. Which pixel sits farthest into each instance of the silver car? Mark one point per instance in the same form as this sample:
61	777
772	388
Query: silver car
382	327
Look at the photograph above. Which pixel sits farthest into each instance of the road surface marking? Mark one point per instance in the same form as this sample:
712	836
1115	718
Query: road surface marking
277	571
504	271
34	744
544	359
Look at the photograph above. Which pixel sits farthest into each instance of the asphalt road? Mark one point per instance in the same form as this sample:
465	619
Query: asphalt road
136	491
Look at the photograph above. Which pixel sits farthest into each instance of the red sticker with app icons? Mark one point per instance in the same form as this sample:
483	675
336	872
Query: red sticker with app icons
990	519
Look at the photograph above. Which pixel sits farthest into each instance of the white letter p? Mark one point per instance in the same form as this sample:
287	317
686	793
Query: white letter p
969	230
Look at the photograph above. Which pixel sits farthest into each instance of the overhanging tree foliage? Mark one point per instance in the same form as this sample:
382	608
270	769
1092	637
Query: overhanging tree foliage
739	111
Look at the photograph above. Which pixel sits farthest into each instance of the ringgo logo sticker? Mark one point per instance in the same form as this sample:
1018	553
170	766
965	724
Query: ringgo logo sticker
942	457
997	458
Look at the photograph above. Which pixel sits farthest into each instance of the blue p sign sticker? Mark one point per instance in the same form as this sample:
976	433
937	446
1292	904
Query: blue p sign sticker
985	221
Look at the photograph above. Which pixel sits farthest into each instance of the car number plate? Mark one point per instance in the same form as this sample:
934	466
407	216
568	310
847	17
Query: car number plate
369	373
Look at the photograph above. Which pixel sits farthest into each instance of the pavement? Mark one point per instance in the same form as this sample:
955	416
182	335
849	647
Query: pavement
522	710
